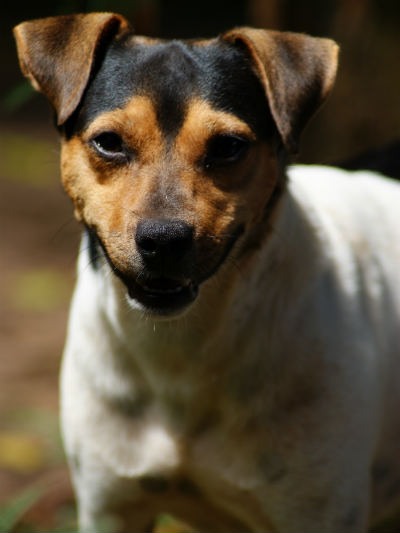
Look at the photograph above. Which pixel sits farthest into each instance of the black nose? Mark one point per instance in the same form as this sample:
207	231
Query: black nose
161	240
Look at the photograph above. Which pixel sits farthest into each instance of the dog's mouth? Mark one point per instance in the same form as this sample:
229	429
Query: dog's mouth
161	295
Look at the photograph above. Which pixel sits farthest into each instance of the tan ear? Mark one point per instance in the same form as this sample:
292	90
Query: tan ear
297	71
57	54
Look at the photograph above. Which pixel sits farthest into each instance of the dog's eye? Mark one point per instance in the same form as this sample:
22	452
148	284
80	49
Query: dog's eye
225	149
109	145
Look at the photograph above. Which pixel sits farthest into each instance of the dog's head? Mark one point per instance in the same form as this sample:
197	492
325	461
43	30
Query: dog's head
172	150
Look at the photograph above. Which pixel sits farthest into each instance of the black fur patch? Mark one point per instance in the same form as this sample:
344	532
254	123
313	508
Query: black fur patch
172	73
93	247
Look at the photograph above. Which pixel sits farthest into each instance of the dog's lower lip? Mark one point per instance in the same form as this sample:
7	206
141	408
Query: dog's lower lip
162	296
160	286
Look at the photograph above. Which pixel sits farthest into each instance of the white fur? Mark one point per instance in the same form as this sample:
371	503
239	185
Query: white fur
296	352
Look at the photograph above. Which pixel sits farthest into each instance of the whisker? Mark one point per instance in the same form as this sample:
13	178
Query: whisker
61	228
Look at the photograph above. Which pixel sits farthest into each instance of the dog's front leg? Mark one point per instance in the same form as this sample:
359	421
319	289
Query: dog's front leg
105	503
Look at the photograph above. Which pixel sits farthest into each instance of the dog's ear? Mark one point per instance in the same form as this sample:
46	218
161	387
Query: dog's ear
296	70
57	54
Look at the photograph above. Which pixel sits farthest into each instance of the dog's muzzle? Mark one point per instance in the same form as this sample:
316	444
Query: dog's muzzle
164	285
167	272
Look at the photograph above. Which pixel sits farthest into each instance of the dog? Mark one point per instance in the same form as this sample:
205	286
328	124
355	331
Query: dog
232	355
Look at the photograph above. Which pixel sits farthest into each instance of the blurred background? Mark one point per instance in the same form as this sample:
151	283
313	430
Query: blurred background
39	237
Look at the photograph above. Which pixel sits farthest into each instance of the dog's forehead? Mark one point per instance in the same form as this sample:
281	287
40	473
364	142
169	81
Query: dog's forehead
172	73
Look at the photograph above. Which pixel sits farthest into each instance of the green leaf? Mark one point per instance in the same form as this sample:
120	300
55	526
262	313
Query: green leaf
12	512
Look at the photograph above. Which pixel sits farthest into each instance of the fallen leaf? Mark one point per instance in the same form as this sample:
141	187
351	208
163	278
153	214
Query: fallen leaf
21	453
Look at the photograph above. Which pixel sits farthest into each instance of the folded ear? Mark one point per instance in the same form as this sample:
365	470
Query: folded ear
57	54
297	72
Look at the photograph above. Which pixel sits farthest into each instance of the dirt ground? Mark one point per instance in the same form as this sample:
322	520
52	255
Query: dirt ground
37	263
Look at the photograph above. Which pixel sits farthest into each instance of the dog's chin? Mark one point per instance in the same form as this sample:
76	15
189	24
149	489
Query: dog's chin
161	297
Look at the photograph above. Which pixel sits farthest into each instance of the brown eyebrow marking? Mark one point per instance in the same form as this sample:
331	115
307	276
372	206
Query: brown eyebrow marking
202	122
136	123
212	120
138	115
